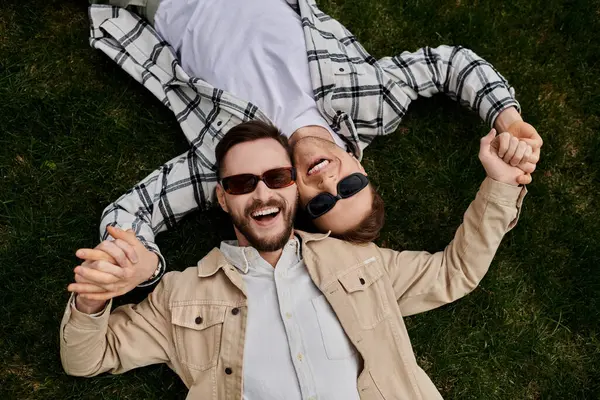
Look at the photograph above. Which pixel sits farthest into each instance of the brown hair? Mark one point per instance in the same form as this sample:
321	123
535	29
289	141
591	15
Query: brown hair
368	229
247	132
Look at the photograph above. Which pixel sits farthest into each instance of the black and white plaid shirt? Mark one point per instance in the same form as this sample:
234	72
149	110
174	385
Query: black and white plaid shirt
359	96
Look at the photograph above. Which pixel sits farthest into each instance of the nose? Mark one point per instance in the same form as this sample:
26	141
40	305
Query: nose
262	192
329	184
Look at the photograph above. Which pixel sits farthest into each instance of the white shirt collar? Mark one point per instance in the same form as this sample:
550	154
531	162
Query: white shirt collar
244	258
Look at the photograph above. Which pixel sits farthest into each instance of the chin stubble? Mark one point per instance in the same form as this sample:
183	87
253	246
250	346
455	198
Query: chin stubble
242	223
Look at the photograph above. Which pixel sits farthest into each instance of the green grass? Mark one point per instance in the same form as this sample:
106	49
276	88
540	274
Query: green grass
76	132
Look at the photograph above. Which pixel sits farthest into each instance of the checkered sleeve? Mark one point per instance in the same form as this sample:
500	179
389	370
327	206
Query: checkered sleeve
159	201
456	71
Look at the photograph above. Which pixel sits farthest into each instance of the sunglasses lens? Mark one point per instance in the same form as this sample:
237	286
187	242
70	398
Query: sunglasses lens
279	178
351	185
320	204
240	184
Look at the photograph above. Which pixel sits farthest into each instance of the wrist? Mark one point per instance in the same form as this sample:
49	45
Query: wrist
152	272
87	306
504	180
506	118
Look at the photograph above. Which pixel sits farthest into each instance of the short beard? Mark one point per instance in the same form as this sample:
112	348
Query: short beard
271	244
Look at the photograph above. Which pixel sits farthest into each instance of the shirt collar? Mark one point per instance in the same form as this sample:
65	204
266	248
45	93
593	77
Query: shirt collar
243	258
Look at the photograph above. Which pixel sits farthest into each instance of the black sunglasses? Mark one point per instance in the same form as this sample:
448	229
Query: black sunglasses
277	178
347	187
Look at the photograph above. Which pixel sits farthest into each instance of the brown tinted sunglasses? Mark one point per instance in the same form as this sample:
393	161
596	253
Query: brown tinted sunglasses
277	178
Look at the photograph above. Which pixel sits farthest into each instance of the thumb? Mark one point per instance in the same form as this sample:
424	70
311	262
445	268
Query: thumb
486	142
118	233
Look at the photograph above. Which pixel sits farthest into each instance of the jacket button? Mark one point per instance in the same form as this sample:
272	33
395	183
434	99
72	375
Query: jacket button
235	311
362	281
198	320
228	371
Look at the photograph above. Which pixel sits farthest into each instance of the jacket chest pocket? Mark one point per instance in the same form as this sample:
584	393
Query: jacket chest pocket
366	293
197	334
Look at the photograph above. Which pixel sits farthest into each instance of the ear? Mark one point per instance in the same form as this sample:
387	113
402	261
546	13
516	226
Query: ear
221	198
360	166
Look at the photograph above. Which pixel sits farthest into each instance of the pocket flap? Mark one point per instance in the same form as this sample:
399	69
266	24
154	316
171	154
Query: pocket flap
362	276
198	316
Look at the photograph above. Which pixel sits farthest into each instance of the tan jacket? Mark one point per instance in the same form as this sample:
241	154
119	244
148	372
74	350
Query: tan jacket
195	320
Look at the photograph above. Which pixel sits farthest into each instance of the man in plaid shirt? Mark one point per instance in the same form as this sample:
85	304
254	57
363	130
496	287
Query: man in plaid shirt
352	99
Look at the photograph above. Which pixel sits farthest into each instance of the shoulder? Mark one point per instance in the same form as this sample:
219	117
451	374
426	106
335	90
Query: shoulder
342	253
177	281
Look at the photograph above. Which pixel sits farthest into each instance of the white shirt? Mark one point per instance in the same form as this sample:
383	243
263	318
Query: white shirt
254	49
295	347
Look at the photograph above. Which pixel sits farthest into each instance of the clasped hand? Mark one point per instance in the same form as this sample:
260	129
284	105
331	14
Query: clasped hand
112	269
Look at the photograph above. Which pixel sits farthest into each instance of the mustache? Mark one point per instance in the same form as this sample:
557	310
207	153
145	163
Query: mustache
258	204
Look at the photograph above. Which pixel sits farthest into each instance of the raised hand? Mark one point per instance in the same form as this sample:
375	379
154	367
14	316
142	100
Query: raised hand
510	121
505	168
113	268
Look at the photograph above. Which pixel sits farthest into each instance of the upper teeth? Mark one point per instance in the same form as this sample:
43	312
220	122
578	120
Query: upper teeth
265	211
318	167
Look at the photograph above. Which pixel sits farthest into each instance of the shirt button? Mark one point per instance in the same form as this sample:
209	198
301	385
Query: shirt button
341	69
288	315
235	311
219	123
299	357
228	371
362	281
198	320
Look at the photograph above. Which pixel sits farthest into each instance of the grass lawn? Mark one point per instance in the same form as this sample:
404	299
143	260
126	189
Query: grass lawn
76	132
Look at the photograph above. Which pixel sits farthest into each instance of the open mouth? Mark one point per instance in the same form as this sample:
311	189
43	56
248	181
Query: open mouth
265	215
318	166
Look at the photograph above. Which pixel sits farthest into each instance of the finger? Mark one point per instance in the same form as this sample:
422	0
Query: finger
108	268
524	179
527	155
116	252
528	168
535	155
94	255
81	279
487	143
97	277
504	139
128	249
82	288
519	153
512	148
534	139
118	233
100	296
523	130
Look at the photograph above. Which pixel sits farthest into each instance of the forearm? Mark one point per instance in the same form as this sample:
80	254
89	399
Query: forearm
426	281
456	71
475	82
489	217
83	340
131	336
159	201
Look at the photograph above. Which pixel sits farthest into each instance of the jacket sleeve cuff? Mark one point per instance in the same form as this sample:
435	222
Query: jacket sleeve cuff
505	195
85	321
